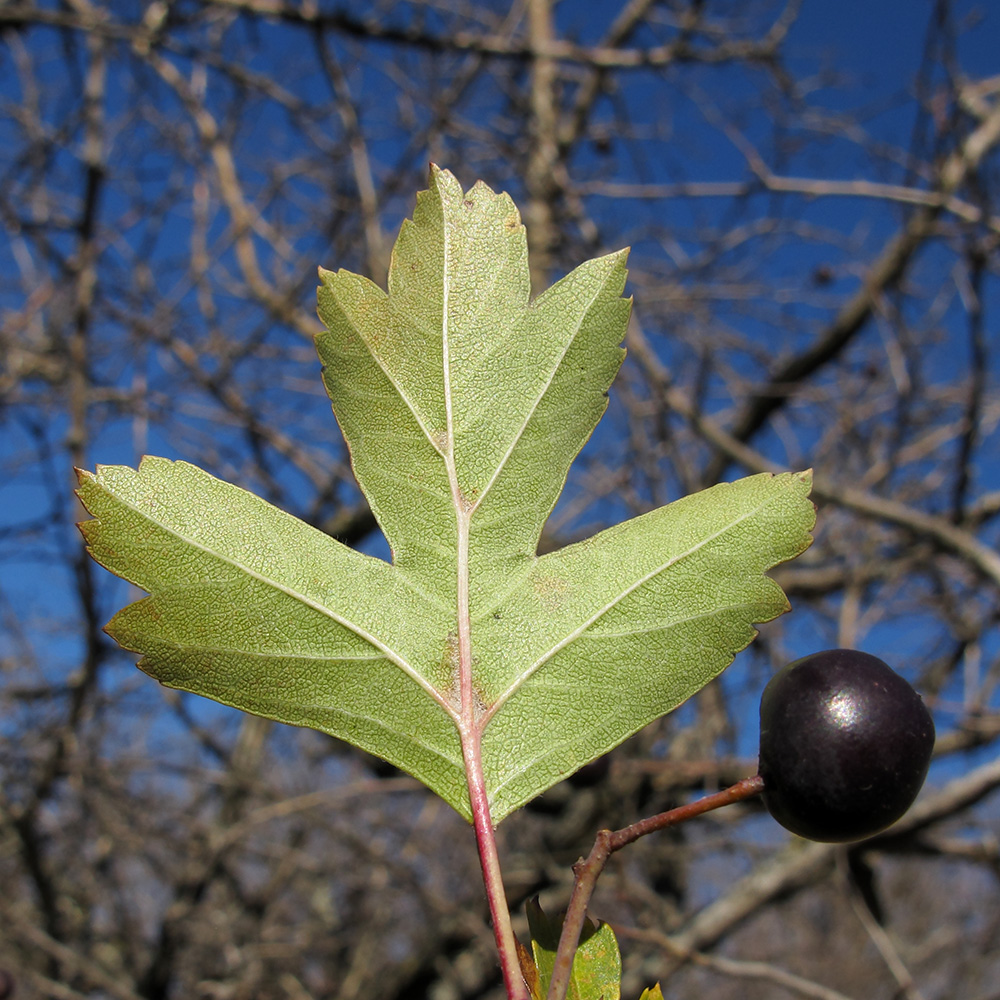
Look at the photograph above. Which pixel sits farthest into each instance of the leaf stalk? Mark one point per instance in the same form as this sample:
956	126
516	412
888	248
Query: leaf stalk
489	861
471	725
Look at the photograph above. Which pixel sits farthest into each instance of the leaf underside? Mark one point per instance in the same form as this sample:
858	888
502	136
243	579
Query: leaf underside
463	404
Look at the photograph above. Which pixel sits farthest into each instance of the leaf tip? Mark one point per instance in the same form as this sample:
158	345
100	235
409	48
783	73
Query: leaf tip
438	177
85	480
84	477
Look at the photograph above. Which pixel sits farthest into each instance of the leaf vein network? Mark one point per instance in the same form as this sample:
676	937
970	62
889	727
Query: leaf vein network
390	654
391	378
540	395
608	605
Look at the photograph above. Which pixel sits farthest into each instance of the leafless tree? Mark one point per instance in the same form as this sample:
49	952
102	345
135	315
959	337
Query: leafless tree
810	290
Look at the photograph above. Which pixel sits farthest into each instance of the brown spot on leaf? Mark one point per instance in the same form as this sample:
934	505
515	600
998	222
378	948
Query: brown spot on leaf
551	591
468	498
450	667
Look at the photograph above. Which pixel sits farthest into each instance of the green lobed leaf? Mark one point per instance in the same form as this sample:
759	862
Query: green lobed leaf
463	404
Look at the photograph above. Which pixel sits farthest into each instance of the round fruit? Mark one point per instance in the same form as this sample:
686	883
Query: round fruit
845	744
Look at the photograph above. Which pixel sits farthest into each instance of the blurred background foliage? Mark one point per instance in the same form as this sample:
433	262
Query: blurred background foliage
811	194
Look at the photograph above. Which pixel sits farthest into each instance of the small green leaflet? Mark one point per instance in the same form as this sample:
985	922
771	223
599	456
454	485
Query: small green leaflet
463	404
597	963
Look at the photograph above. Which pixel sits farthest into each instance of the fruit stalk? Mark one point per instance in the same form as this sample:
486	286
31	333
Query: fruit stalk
605	844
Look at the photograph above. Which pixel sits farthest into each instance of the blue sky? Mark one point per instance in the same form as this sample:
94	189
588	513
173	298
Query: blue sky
876	47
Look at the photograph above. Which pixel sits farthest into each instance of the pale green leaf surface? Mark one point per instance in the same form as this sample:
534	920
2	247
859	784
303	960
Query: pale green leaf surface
463	404
635	620
456	365
256	609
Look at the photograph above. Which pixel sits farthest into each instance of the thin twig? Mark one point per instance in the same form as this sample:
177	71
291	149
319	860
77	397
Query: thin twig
606	843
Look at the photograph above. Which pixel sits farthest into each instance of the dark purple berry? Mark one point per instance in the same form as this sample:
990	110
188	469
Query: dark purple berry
845	744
